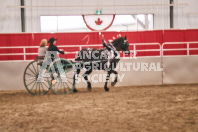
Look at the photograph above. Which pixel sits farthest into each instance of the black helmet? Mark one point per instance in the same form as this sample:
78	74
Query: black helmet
51	40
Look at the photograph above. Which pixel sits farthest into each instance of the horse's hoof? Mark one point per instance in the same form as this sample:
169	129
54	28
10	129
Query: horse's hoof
75	90
107	89
89	89
113	84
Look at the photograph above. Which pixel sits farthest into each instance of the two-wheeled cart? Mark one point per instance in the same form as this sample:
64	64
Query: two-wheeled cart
52	71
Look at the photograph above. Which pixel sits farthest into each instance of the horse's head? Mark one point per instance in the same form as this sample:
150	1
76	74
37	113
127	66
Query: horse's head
121	44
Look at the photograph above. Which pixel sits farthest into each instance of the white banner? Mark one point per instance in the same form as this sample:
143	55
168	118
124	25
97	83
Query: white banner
98	22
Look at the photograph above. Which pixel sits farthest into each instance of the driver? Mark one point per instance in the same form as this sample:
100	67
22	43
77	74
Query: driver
53	47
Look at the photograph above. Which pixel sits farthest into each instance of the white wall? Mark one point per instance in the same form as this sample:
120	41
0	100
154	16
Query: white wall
12	74
186	17
180	70
10	21
176	70
10	18
79	7
127	74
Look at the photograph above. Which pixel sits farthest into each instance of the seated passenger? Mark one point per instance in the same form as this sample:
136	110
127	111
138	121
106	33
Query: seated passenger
41	54
42	49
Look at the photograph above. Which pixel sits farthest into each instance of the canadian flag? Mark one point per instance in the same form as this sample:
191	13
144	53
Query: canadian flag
98	22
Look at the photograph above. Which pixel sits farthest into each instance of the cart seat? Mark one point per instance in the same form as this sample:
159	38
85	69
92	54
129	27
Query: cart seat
40	60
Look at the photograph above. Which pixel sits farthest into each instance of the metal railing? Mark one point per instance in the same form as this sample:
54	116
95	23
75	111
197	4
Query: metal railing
19	47
134	45
134	50
80	47
187	49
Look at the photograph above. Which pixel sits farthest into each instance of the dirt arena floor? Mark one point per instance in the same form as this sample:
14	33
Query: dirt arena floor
172	108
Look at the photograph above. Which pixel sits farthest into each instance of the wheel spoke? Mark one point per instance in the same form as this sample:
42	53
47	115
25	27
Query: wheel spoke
69	82
69	73
33	86
30	74
31	71
36	88
69	77
39	88
42	87
62	84
45	85
63	87
58	84
37	67
34	69
28	79
67	85
31	82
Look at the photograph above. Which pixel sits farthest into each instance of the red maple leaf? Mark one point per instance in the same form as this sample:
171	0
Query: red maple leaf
98	22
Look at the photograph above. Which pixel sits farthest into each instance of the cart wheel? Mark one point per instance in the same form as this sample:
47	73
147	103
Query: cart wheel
62	74
31	83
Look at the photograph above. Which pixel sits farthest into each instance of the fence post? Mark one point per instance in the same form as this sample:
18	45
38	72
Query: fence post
24	54
134	49
160	49
188	49
162	62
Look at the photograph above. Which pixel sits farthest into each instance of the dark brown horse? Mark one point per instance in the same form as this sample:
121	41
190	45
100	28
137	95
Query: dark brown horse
97	59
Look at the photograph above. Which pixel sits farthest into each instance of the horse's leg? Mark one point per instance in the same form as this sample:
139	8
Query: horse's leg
107	80
85	75
116	78
78	68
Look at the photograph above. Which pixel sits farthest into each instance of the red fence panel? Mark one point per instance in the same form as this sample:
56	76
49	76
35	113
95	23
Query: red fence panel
87	38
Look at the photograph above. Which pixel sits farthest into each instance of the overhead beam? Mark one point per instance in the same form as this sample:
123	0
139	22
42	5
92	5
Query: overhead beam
171	14
140	5
22	16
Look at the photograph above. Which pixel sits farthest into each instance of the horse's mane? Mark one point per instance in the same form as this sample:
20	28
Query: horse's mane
118	40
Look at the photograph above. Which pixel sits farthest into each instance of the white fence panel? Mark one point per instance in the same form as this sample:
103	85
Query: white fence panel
180	70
